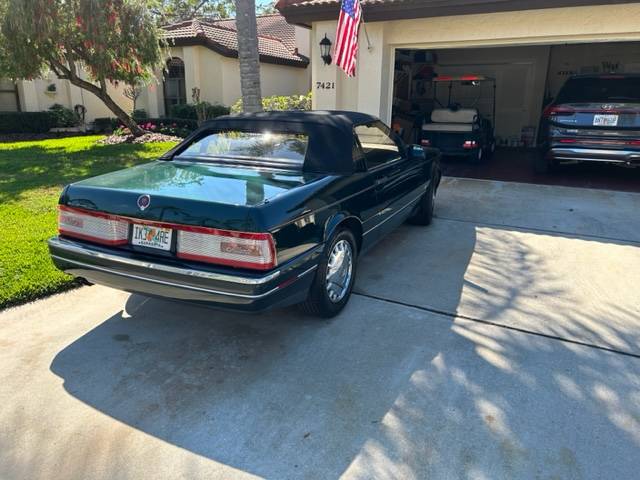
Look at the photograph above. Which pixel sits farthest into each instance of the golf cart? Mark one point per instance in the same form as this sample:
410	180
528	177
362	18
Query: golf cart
457	129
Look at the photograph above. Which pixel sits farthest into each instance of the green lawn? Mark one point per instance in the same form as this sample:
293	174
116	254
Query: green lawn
31	177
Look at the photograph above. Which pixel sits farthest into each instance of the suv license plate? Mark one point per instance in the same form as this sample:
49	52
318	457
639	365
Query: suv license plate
151	237
605	120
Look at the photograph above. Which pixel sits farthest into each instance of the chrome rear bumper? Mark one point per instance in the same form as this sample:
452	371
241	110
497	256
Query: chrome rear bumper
577	154
246	292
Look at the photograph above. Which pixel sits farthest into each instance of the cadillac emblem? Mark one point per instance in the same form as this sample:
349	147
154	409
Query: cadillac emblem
144	201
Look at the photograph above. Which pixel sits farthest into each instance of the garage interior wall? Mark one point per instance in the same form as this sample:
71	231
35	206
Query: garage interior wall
520	74
569	60
527	79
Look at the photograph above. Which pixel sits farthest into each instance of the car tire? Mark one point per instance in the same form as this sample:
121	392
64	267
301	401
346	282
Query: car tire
541	164
491	149
426	207
477	156
324	299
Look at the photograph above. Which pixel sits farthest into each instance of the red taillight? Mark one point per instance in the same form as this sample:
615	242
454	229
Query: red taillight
469	144
553	110
425	142
223	247
92	226
568	140
236	249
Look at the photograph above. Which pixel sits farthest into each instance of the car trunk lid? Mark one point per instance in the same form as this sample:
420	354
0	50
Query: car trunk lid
188	193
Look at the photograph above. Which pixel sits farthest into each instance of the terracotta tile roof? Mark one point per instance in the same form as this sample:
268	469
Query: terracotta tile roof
276	38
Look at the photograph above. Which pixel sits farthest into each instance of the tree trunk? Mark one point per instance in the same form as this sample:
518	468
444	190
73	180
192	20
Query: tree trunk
123	116
248	55
101	93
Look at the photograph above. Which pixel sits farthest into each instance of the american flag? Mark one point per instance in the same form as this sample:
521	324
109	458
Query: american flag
347	36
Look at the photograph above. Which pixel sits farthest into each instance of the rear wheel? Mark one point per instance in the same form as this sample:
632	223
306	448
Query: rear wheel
491	149
477	156
334	277
541	164
426	207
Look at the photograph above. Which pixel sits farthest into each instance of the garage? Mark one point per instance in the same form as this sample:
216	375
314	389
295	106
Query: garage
530	48
507	88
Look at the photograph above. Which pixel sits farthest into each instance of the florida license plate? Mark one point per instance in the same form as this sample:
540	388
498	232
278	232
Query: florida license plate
605	120
151	237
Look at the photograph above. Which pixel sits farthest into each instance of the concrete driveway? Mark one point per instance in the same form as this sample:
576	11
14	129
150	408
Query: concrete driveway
502	342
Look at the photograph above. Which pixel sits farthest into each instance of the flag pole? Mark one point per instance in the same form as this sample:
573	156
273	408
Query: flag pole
366	34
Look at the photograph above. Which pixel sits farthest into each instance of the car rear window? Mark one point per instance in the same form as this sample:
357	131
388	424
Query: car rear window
260	148
604	89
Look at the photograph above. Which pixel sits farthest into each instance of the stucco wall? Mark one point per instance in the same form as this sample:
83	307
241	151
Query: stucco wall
34	97
218	78
274	80
546	26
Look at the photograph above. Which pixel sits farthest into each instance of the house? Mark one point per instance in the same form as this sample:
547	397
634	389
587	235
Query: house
202	54
529	46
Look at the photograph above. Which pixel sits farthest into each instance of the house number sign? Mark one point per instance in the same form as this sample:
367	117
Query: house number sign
325	85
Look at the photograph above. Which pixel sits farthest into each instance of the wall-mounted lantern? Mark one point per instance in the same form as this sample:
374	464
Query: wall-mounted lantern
325	50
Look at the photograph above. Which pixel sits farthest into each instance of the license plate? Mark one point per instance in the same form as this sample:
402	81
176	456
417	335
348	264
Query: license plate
151	237
605	120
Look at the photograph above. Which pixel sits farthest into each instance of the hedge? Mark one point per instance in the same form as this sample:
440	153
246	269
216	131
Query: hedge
279	102
188	110
26	122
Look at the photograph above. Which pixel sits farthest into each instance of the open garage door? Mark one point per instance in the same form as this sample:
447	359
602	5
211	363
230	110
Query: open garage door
527	78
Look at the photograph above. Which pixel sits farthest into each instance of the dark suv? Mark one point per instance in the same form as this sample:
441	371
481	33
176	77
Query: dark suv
595	118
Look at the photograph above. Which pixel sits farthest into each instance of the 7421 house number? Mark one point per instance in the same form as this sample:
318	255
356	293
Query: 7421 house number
325	85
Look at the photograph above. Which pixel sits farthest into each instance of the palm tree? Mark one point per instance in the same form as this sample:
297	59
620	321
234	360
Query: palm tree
248	55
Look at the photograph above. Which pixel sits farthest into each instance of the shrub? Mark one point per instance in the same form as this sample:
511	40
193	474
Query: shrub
63	117
176	127
105	124
179	127
185	110
25	122
189	111
139	114
279	102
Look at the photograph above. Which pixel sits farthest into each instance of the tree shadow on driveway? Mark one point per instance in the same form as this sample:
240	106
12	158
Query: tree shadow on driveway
382	391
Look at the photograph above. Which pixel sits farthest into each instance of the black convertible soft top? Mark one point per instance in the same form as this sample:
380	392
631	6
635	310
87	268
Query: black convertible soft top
330	134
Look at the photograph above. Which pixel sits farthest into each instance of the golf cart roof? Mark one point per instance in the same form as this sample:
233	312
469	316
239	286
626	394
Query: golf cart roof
463	78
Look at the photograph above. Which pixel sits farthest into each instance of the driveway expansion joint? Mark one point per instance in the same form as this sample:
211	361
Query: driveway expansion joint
454	315
585	236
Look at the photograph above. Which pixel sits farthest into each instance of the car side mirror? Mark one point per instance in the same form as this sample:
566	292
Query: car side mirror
416	152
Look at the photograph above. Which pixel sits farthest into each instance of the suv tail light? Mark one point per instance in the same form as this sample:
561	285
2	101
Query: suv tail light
92	226
554	110
470	144
237	249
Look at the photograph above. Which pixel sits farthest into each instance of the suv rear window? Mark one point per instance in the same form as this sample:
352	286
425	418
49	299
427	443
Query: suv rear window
605	89
285	149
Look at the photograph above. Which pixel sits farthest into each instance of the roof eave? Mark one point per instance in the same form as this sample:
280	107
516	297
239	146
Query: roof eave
302	14
230	53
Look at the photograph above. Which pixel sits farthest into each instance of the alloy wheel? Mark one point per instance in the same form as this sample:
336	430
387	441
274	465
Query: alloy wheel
339	271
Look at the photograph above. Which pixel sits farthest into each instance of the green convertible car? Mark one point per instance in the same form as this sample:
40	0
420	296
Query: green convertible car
250	212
